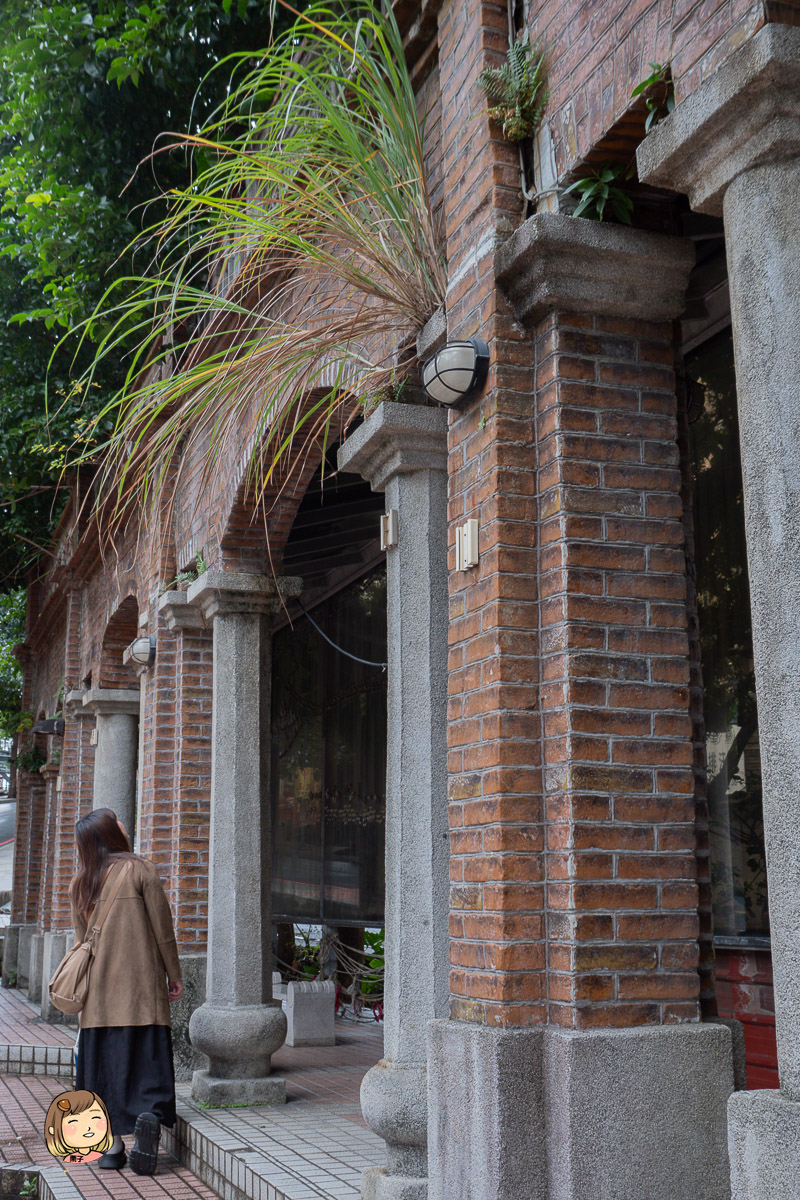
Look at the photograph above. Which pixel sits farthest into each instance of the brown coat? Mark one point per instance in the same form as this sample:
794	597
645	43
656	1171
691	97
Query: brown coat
135	952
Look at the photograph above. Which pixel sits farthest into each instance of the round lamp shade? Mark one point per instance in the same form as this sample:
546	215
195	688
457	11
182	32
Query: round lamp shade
456	372
143	650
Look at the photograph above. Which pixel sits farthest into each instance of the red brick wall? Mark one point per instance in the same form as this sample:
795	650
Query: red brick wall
598	53
620	862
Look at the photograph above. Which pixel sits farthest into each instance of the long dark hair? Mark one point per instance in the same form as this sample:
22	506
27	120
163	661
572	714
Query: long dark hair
100	841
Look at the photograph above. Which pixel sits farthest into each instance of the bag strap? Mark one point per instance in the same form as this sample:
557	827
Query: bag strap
120	877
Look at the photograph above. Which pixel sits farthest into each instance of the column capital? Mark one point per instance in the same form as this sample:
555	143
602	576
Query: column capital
221	593
396	440
178	612
556	263
73	703
105	702
746	115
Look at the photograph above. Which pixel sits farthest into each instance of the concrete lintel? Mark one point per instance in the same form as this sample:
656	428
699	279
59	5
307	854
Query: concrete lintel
230	592
396	440
745	115
106	702
556	263
764	1146
178	613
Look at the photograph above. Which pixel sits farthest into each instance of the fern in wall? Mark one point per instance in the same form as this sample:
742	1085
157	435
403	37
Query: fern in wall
517	90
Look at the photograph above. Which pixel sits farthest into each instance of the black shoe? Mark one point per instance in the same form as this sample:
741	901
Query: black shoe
113	1162
144	1154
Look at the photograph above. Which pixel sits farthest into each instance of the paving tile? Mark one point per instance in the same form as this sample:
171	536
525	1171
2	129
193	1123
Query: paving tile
312	1148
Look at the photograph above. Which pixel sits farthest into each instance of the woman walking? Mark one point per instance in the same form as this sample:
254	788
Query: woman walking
125	1042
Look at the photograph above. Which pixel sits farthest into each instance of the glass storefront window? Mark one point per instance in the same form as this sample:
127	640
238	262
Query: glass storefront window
738	865
329	761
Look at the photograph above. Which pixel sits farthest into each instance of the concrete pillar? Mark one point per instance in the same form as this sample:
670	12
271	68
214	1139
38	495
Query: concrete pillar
117	715
239	1026
402	450
35	967
54	949
26	933
733	147
13	934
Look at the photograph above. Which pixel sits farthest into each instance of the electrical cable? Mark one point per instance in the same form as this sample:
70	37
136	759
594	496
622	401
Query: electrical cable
346	653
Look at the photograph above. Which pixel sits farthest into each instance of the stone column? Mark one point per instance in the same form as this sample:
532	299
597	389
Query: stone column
117	715
402	450
239	1026
734	147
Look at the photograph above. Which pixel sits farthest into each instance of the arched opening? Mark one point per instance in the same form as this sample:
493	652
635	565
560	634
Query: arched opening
328	773
122	628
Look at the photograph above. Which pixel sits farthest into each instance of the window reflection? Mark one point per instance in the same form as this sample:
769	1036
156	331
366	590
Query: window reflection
329	760
738	868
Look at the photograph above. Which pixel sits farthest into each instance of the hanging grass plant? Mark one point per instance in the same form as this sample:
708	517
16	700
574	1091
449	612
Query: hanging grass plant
283	282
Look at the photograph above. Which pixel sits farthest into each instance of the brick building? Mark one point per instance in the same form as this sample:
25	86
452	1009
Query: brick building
579	707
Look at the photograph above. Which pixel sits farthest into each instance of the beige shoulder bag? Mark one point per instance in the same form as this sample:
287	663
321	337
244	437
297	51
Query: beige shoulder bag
69	986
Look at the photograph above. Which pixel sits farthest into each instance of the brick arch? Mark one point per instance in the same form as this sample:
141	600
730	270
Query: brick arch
254	532
121	629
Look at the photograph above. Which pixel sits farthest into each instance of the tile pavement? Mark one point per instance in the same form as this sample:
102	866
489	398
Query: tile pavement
313	1148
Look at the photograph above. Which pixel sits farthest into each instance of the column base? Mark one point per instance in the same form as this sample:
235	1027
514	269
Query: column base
11	953
35	969
378	1184
220	1093
550	1114
26	933
187	1059
395	1105
55	947
764	1145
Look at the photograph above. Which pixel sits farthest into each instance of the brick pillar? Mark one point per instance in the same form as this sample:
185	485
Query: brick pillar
191	651
604	839
77	777
50	773
19	886
733	147
76	774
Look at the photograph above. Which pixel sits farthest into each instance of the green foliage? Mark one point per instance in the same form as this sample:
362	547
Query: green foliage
309	180
518	90
182	580
12	979
30	1188
659	93
601	194
30	760
74	125
12	631
372	982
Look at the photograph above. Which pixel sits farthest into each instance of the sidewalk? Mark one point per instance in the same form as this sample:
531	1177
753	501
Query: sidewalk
312	1148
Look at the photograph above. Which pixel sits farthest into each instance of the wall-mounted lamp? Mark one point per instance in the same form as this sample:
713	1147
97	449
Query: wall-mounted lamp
457	372
142	650
52	726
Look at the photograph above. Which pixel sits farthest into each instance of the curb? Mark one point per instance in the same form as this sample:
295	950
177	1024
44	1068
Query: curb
37	1060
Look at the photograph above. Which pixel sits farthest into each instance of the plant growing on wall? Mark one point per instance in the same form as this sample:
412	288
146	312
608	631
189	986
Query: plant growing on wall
659	94
305	246
31	760
518	90
601	195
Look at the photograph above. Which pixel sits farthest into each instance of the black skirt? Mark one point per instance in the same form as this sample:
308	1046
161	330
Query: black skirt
130	1068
